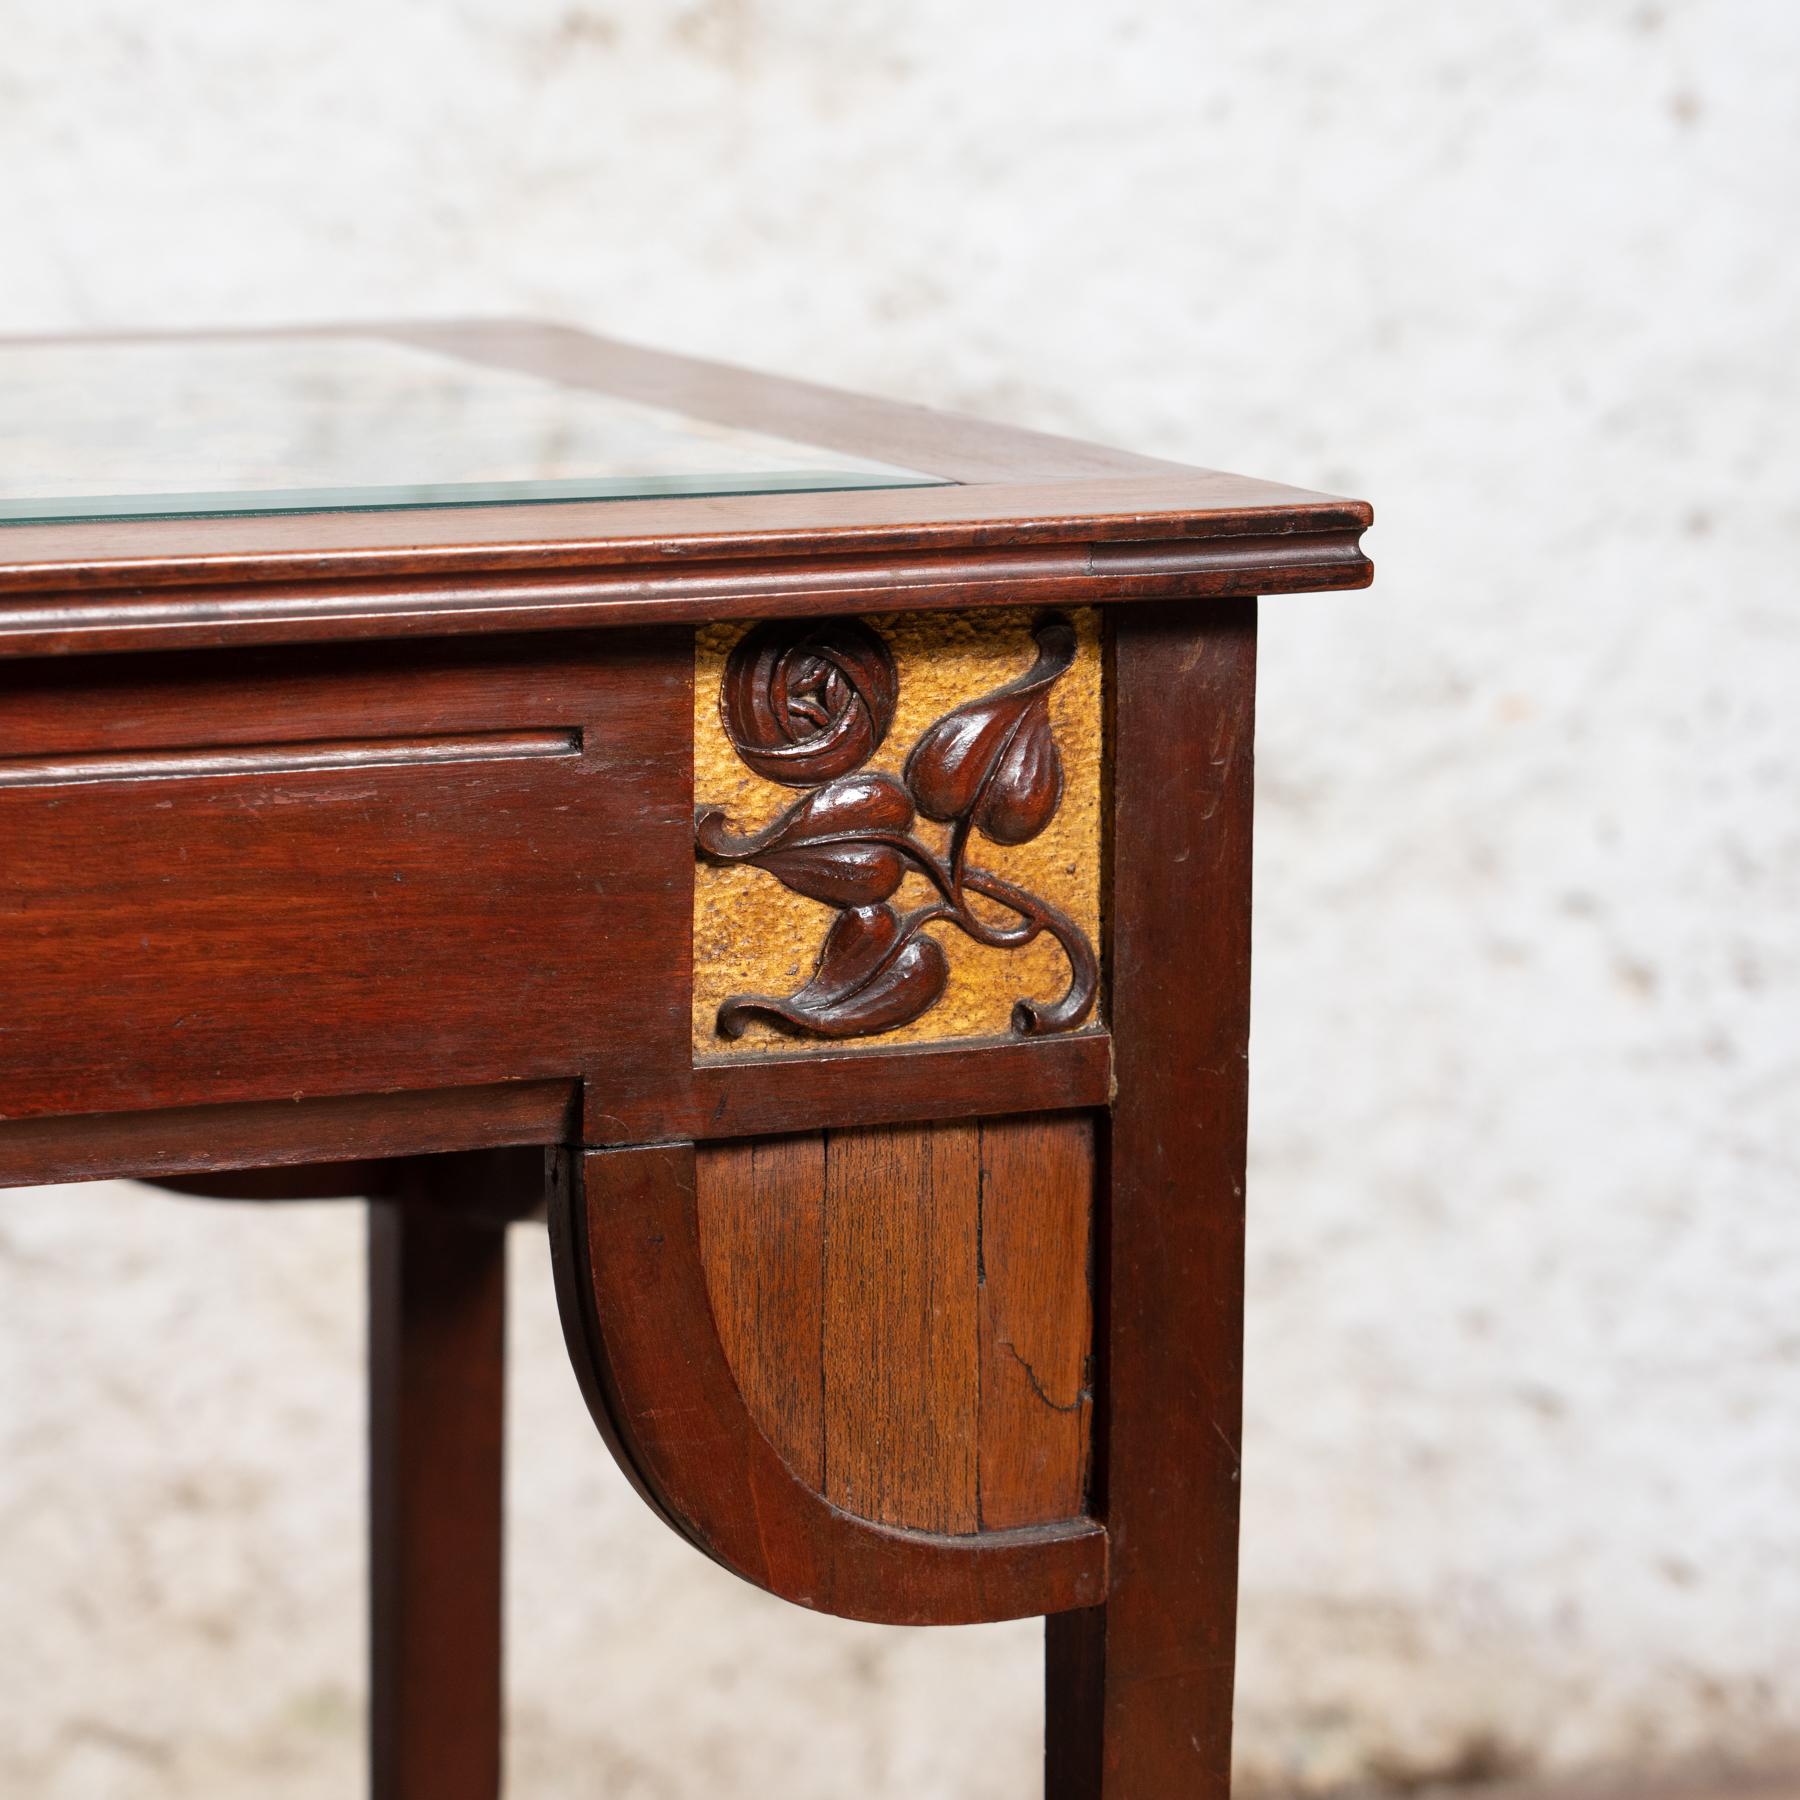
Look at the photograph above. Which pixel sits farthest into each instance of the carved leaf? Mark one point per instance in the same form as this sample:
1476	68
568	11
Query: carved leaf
875	972
829	845
994	761
1022	794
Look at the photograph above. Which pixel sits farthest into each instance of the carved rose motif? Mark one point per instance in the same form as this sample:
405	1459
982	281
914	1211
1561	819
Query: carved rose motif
821	699
804	702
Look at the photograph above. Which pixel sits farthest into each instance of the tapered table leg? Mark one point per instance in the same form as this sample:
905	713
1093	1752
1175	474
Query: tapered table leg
437	1328
1139	1690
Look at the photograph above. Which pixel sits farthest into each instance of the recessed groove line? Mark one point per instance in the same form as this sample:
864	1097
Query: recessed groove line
285	759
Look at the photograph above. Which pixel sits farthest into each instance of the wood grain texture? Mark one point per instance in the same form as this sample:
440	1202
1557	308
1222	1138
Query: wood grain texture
276	906
1012	488
494	1187
880	1087
179	1140
437	1347
902	1226
285	759
1036	1317
300	598
907	1313
761	1095
1029	510
216	1007
1140	1691
638	1320
762	1237
212	935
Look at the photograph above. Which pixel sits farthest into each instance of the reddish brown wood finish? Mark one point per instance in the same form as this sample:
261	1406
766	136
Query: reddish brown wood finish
906	1313
243	941
1037	1203
437	1343
810	1090
210	964
210	936
494	1187
632	1289
1034	518
902	1368
761	1226
568	587
756	1094
276	1133
1139	1691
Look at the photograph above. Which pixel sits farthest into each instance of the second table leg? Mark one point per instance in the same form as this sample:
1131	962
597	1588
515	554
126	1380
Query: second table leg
437	1352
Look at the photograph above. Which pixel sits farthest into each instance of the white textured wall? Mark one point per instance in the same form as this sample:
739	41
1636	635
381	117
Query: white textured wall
1523	1463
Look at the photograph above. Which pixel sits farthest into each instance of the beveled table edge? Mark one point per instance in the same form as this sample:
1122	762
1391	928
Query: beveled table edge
1115	525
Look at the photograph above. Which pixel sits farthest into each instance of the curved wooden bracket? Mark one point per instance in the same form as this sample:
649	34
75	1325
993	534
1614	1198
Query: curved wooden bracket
639	1325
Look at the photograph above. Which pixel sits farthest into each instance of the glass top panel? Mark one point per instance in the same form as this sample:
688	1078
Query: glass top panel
180	429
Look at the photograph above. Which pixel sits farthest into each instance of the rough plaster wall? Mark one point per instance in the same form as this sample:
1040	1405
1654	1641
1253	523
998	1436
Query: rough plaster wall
1523	1466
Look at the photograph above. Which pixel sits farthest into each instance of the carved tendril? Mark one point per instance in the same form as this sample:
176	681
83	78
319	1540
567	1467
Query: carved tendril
991	766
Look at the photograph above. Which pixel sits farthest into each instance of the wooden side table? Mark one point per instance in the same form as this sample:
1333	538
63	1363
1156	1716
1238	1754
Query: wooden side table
801	842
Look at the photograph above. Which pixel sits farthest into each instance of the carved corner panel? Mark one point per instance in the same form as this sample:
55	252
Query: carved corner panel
897	827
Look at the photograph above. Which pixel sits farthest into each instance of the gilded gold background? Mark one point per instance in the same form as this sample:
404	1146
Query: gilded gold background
752	935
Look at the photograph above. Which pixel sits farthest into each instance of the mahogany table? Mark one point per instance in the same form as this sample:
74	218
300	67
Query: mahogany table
799	843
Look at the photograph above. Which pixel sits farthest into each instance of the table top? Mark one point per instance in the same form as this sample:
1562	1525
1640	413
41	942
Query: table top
198	426
425	479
